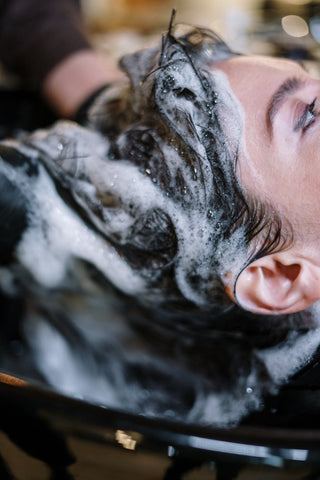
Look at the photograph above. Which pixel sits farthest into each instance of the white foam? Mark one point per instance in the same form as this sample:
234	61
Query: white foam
127	183
56	234
58	363
285	359
231	113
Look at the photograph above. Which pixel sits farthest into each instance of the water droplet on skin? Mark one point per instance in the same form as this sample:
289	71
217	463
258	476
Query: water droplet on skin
154	180
210	214
249	390
147	171
184	189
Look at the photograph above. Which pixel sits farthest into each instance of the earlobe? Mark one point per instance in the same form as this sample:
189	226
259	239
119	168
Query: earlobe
278	284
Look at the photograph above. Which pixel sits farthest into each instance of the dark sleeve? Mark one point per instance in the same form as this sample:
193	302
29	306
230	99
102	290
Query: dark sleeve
35	35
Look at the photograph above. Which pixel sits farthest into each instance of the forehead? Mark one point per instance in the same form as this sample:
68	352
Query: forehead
251	81
258	61
245	72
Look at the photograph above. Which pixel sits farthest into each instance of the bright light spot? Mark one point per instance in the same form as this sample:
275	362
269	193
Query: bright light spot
295	26
125	440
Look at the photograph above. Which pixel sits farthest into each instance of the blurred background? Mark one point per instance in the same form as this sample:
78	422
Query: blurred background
289	28
286	28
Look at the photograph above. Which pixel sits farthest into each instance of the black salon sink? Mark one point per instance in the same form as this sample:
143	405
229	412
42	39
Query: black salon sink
44	433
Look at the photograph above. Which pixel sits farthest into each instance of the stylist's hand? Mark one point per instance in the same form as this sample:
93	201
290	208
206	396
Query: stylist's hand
45	43
76	78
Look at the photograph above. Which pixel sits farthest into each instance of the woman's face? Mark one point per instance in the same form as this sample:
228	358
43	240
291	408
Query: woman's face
281	154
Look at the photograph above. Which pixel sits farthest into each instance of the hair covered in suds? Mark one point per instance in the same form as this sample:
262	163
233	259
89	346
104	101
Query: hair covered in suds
160	184
180	126
147	197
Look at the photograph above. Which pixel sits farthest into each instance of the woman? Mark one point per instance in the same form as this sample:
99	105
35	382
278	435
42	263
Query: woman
147	223
55	56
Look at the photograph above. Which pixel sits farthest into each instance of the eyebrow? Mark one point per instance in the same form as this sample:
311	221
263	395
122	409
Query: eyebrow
287	88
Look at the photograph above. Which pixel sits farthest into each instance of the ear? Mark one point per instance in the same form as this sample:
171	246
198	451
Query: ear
277	284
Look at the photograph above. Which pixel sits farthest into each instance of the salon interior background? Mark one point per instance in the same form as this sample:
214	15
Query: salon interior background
279	27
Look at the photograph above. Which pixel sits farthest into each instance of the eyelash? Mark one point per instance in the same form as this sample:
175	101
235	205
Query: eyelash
308	117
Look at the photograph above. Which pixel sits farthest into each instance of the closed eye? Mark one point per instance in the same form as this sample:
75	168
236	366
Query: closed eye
307	118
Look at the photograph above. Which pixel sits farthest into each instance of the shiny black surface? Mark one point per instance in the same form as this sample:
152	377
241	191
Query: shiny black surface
46	435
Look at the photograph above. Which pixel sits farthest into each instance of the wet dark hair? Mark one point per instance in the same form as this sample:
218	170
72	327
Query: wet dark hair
171	122
160	185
